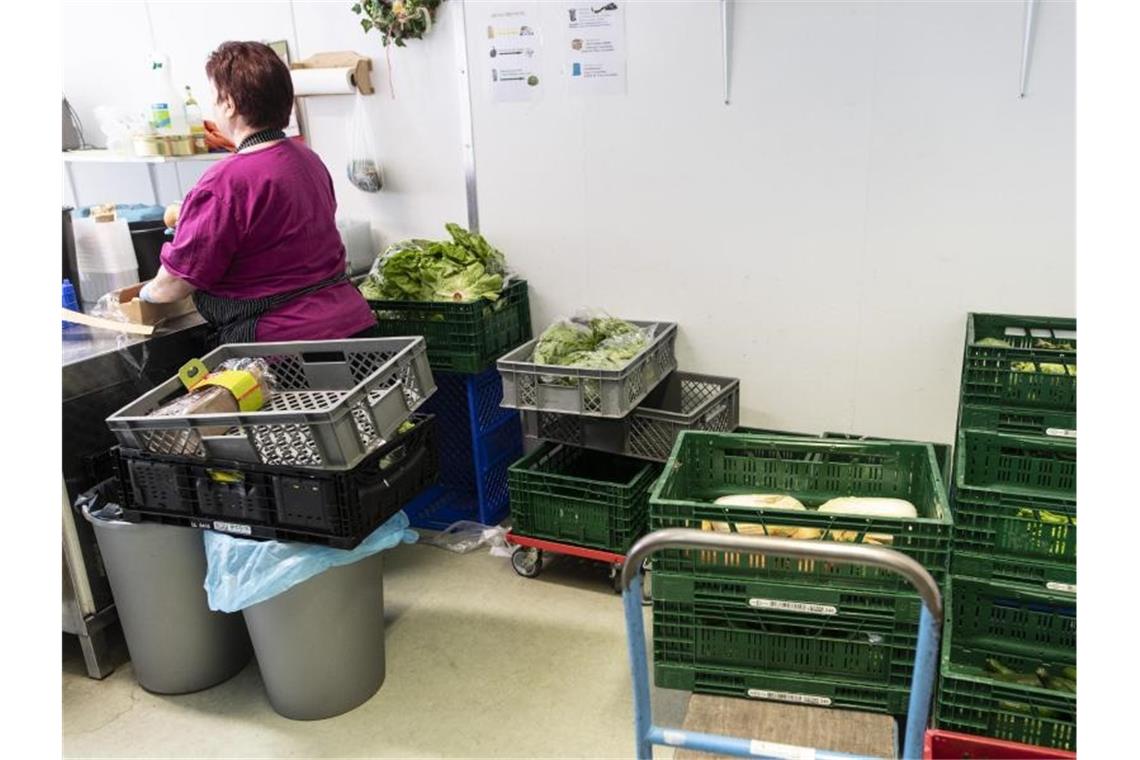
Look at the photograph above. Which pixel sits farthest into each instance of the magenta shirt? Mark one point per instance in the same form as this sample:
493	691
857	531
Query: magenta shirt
262	223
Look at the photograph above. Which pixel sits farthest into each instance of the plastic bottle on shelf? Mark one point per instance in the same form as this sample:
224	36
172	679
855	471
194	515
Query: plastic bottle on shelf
197	125
166	111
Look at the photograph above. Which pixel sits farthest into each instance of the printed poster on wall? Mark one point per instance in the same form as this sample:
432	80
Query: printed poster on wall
595	47
514	48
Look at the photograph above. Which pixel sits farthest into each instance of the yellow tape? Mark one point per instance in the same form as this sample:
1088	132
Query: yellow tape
242	384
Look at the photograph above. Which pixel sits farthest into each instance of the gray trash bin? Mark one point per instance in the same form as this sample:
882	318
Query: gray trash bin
320	645
177	644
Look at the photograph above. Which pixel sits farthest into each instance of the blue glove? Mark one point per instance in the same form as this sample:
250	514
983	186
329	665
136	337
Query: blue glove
144	294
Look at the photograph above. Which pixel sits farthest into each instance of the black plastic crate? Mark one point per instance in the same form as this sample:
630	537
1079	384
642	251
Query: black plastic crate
337	508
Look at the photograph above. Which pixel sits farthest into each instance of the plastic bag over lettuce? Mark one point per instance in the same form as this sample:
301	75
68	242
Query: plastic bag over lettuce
591	341
465	268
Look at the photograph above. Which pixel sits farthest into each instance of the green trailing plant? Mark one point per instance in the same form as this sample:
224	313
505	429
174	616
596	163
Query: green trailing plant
397	20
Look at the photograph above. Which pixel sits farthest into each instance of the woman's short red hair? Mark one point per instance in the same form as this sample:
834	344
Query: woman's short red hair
256	79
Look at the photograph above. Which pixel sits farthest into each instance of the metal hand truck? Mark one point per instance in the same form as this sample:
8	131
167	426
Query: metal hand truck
646	734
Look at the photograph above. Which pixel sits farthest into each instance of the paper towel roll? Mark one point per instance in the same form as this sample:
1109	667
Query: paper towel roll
323	81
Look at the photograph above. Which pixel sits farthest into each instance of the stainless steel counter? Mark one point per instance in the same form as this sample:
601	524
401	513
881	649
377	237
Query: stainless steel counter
102	372
82	343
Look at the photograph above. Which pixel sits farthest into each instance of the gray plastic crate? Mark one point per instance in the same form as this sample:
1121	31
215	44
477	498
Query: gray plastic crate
684	401
333	402
588	392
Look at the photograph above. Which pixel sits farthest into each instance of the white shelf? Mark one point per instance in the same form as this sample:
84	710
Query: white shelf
108	157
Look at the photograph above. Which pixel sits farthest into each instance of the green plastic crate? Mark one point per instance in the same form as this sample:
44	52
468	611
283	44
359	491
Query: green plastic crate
584	497
1041	466
1002	419
872	605
780	688
1051	576
943	452
1011	527
462	337
988	374
1024	629
1015	501
782	628
704	466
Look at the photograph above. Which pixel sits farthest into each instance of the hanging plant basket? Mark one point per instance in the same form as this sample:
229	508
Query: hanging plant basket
397	20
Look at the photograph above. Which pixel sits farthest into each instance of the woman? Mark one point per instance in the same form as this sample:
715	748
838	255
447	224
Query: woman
256	242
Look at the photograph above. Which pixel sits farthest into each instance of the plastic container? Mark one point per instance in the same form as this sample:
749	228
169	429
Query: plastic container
1024	629
462	337
1000	419
590	392
320	645
478	441
105	258
582	497
1030	465
359	252
705	466
333	403
684	401
943	452
779	631
1015	500
165	107
948	745
177	644
1002	376
333	508
814	690
195	122
147	238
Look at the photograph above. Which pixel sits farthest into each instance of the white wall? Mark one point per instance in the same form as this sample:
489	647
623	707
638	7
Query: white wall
875	178
823	236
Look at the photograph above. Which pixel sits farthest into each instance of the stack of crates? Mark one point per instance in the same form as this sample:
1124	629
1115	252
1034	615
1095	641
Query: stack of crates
788	630
336	449
477	438
603	435
1009	648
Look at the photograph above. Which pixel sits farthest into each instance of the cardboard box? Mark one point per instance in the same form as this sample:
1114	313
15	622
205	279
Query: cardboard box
143	313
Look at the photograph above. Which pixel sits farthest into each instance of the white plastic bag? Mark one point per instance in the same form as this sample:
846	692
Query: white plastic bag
363	160
467	536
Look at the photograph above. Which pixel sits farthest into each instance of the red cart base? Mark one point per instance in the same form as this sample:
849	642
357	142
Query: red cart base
528	556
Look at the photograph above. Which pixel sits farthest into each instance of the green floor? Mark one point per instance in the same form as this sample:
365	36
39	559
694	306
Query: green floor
481	663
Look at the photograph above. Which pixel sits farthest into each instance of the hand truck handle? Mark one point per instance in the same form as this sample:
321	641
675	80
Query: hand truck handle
828	551
926	658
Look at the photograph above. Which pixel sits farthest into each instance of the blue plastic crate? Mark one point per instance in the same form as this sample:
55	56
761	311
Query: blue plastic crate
478	441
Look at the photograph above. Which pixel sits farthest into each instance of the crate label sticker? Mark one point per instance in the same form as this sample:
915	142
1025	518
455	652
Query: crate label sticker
1061	433
225	527
673	738
1015	332
787	696
1065	334
783	751
1068	588
780	604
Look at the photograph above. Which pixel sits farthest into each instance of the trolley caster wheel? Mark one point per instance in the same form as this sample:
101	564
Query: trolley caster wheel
646	584
527	561
615	578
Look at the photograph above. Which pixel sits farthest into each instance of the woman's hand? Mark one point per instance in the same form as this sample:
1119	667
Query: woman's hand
165	288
